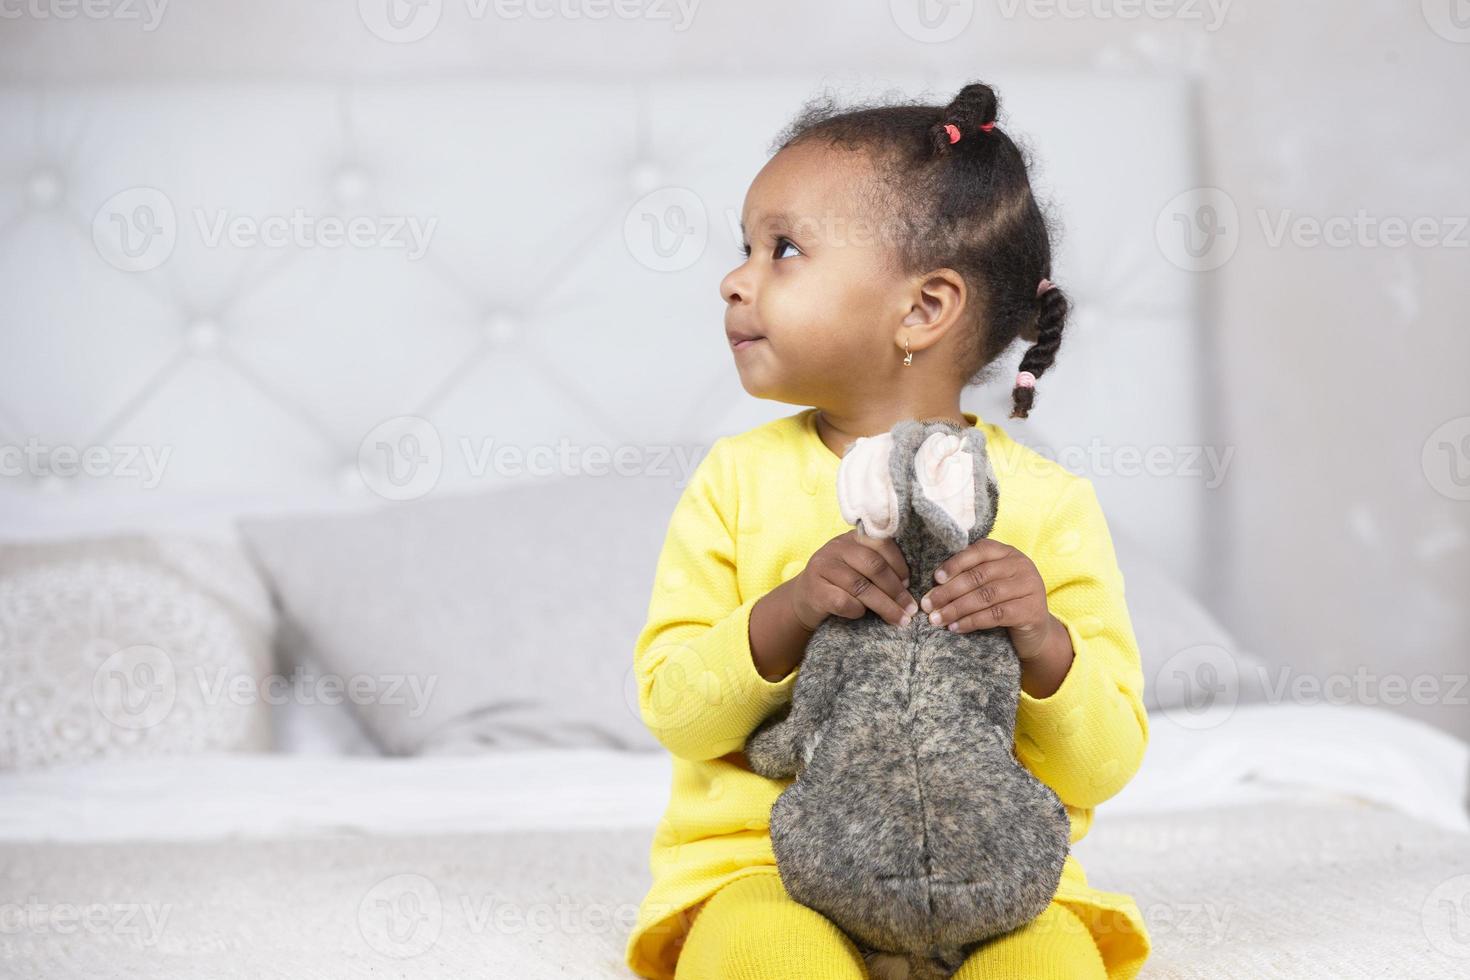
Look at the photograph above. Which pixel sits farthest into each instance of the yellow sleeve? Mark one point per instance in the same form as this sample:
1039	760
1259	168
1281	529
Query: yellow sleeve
698	689
1086	739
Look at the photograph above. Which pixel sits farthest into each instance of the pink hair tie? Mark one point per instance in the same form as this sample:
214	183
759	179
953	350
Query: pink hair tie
1025	379
953	131
1044	286
987	127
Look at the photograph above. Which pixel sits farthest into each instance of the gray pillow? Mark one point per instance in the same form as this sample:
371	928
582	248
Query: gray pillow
500	619
507	618
130	645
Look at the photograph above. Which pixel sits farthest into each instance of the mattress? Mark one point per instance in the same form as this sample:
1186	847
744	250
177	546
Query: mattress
1312	860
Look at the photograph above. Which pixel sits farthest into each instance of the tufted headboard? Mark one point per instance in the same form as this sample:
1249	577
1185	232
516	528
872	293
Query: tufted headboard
323	294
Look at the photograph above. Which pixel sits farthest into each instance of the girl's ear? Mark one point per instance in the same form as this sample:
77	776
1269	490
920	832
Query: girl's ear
865	492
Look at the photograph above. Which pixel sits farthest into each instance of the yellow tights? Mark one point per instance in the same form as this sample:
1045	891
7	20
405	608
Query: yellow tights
751	929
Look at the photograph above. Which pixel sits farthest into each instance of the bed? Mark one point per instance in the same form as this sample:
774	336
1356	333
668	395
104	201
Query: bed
1346	853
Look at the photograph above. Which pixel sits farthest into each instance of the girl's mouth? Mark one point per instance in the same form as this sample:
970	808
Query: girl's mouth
748	341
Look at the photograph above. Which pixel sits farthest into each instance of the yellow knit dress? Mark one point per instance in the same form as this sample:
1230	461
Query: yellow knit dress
755	509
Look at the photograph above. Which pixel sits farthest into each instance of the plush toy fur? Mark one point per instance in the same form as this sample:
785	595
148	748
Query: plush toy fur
910	824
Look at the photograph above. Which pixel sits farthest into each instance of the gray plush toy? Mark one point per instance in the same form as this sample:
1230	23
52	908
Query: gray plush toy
910	824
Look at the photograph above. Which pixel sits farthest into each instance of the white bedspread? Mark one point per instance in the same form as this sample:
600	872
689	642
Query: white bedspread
1326	890
1259	752
1289	841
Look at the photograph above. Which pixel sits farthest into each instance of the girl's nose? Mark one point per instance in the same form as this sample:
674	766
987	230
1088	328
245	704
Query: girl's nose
733	288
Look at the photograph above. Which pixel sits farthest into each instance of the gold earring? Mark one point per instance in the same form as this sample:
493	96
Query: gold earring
908	355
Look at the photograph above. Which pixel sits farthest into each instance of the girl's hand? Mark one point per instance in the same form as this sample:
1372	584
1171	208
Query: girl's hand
991	584
849	575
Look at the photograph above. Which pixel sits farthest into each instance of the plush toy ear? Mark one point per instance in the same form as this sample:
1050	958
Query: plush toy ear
944	471
865	492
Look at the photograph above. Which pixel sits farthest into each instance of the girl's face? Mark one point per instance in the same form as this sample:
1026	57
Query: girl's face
817	286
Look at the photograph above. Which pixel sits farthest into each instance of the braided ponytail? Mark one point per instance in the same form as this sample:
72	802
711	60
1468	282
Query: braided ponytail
1050	318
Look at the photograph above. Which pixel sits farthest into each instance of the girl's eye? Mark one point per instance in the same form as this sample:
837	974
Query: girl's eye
781	243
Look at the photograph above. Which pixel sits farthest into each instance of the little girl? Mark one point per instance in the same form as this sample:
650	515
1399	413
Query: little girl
893	252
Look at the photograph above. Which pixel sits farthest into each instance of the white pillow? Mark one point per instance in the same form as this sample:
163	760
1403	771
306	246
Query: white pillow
128	646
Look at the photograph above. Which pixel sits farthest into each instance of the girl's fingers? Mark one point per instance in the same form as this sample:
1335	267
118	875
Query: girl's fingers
890	551
858	594
986	549
982	550
879	595
1000	614
839	601
985	605
967	575
874	562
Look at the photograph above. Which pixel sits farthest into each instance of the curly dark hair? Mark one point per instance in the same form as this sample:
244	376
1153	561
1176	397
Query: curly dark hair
964	203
